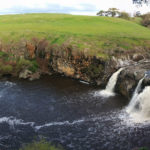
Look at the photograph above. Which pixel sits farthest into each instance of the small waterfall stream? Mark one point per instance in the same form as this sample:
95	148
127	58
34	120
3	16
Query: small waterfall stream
109	90
139	106
133	100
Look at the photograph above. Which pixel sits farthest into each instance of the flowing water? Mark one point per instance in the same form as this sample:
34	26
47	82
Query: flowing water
66	112
133	102
139	106
109	90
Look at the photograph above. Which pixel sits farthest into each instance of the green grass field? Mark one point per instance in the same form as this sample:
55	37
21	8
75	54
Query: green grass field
90	33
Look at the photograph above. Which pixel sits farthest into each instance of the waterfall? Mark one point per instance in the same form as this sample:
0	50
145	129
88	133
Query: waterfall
133	100
109	90
139	107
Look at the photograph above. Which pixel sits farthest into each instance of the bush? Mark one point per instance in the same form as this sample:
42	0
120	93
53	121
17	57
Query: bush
23	63
41	145
143	148
4	56
124	15
146	20
5	69
34	66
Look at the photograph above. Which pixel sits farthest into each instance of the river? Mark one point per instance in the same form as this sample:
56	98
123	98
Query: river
67	112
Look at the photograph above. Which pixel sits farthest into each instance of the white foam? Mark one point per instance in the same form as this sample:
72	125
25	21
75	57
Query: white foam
5	86
128	120
59	124
104	93
8	83
13	121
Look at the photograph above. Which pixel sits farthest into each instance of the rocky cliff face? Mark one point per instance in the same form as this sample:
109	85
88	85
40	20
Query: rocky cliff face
38	57
87	68
63	59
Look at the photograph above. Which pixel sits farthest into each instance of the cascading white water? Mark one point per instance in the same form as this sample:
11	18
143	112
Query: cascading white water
141	110
109	90
139	107
133	100
112	81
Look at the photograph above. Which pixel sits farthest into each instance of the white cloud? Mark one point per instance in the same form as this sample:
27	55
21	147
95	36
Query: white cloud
89	7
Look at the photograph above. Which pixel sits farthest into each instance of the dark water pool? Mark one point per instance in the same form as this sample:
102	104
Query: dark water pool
66	112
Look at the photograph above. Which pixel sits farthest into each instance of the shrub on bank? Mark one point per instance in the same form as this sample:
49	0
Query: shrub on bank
33	66
4	56
146	20
124	15
5	69
143	148
41	145
14	65
23	63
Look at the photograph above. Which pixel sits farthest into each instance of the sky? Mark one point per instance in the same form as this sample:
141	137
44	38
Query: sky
79	7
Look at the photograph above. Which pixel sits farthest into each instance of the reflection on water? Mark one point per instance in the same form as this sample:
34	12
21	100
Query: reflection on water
66	111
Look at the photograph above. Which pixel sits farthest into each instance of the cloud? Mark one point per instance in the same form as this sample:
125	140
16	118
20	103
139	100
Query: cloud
88	7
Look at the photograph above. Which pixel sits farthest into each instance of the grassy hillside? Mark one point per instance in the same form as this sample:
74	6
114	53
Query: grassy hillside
88	33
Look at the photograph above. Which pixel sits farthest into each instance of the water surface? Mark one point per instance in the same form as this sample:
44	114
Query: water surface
66	112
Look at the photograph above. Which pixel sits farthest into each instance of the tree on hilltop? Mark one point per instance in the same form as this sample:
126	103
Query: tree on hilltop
111	12
141	1
101	13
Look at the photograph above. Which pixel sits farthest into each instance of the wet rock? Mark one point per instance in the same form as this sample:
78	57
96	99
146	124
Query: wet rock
137	57
130	77
35	76
25	74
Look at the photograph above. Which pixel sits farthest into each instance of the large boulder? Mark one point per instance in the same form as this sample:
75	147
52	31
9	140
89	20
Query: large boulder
130	76
25	74
138	57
